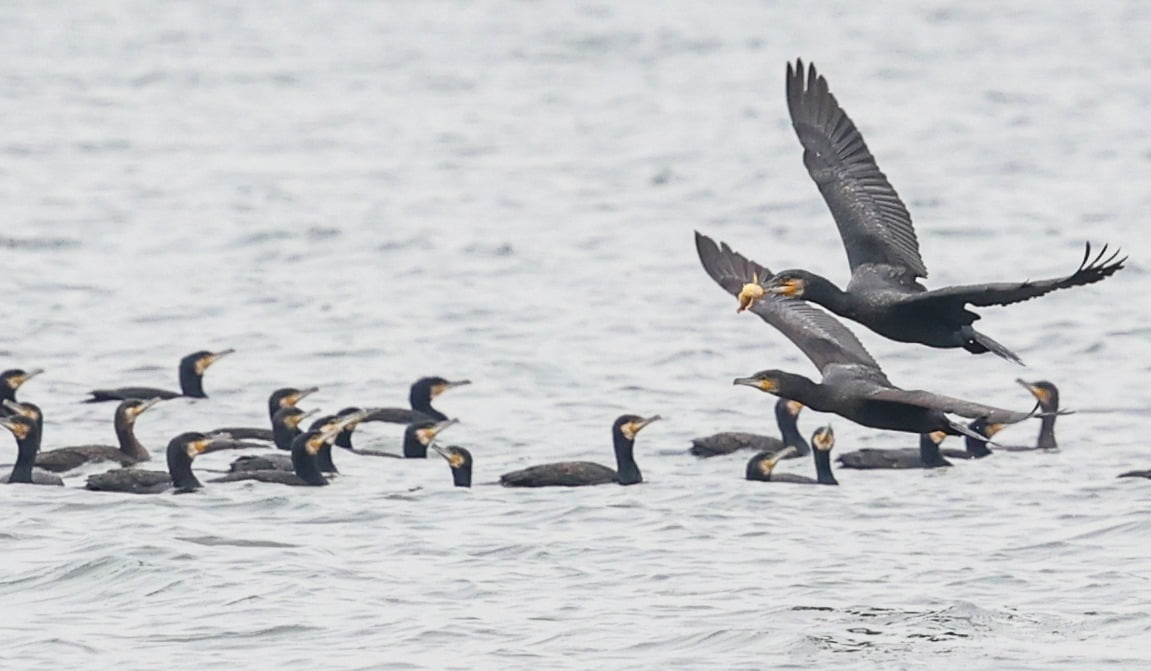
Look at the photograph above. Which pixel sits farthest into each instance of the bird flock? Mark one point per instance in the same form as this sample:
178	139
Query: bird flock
884	294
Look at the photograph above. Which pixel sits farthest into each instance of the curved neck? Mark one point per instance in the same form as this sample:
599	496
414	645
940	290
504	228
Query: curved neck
820	290
413	448
129	445
421	401
344	439
929	452
306	465
977	449
462	476
789	430
1047	433
180	470
823	474
26	457
283	435
625	460
191	384
800	388
6	393
324	460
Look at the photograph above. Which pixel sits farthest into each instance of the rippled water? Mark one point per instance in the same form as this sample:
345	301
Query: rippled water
356	194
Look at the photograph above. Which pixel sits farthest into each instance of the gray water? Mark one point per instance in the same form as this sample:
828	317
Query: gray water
357	194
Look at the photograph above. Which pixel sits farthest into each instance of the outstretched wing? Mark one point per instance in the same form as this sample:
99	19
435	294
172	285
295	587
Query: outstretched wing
872	220
823	338
949	404
1090	270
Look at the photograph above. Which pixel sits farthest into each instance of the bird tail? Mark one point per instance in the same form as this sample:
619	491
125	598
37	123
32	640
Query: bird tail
986	344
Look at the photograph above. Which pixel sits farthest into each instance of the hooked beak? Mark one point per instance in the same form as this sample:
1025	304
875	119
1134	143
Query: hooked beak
140	409
768	464
762	385
441	388
1040	394
824	438
215	442
28	375
301	417
295	398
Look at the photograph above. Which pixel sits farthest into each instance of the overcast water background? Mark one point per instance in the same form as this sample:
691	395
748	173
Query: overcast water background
353	195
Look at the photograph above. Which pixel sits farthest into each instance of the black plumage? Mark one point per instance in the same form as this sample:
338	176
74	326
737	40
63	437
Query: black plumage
583	473
927	455
180	452
191	372
27	434
129	451
762	466
786	414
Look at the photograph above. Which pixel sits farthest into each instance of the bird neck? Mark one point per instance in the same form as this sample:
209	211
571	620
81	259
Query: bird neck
421	401
129	445
283	435
344	439
25	458
822	291
626	467
191	383
790	430
462	476
306	466
823	474
1047	433
977	449
413	448
754	472
180	470
929	452
802	389
324	459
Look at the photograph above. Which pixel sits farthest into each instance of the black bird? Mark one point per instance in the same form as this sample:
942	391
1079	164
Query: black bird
417	437
1047	394
286	397
10	381
129	452
582	473
976	445
1136	474
192	369
305	466
26	409
761	465
927	455
427	388
460	461
853	385
285	429
181	451
882	250
786	414
283	462
27	435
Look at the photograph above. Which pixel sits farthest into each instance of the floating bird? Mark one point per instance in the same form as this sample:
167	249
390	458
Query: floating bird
285	428
762	465
853	385
927	455
129	452
286	397
460	461
305	466
192	369
427	388
181	451
283	462
27	435
786	413
976	445
1136	474
1047	394
417	437
10	381
582	473
882	250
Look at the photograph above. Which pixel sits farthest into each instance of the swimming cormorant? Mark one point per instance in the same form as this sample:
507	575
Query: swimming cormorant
192	369
129	452
181	451
761	466
582	473
882	250
927	455
281	398
1047	394
10	381
853	385
417	437
976	445
306	468
427	388
283	462
27	435
460	461
786	414
285	428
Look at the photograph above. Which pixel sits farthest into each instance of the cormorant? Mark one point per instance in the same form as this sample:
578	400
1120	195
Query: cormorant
976	445
786	414
882	250
192	369
306	468
1136	474
285	428
27	435
853	385
761	465
10	381
181	451
417	437
460	461
1047	394
427	388
26	409
129	452
283	462
281	398
927	455
582	473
